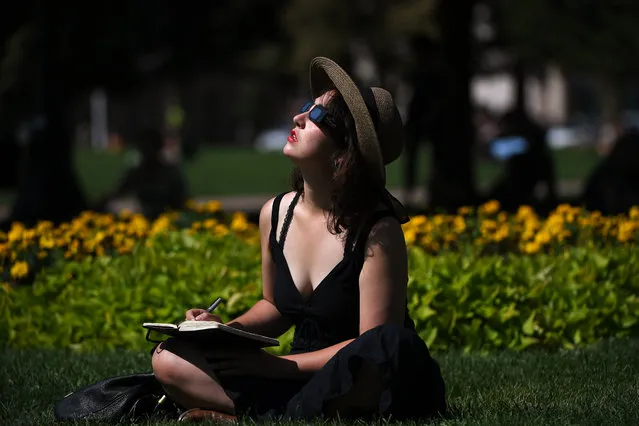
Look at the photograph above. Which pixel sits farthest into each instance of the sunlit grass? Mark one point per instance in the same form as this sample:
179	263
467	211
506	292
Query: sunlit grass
593	386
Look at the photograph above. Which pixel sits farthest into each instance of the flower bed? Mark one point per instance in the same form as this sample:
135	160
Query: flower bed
104	276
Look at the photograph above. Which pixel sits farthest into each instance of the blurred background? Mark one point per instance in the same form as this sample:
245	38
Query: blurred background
144	105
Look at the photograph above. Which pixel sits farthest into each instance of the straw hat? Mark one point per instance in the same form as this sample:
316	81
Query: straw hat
379	128
380	133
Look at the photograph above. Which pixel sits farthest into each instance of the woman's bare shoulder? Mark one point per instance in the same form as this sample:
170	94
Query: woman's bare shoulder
267	208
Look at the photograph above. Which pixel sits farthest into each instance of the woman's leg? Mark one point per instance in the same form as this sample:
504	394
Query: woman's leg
183	371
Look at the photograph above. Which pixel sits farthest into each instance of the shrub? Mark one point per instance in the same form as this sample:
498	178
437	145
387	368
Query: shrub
464	300
23	252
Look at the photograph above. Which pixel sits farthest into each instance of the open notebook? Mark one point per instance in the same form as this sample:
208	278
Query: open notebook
211	332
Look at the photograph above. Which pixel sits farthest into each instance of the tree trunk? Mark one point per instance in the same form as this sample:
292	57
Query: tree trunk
48	187
452	182
519	74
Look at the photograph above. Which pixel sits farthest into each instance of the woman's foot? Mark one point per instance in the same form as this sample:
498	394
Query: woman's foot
198	415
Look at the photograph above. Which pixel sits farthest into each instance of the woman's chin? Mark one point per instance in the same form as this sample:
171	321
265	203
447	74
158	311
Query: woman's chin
289	151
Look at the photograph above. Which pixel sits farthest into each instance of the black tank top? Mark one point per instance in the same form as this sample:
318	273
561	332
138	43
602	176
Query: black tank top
331	313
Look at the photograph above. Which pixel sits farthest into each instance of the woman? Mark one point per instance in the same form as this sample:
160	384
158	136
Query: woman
334	265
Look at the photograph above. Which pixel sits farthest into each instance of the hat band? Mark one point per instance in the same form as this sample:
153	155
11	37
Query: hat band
371	105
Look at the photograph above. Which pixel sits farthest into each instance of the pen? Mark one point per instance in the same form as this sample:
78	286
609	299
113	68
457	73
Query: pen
214	305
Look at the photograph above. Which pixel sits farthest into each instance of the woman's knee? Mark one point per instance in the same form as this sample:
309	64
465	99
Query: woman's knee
174	360
166	365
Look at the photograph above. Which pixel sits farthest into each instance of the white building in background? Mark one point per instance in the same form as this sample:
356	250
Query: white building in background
546	100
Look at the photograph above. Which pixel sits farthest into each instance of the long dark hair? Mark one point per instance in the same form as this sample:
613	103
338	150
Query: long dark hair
352	194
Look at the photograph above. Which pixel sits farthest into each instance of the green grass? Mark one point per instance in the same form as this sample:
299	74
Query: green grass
592	386
220	171
228	171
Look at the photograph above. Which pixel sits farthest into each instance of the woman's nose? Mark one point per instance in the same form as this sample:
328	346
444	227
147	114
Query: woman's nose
300	119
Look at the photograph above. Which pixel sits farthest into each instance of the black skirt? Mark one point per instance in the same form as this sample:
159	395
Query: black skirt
414	385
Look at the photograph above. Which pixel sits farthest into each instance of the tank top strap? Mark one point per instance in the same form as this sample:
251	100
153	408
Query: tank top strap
359	250
287	219
275	213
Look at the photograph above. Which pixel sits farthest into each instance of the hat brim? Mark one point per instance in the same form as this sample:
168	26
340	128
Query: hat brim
325	75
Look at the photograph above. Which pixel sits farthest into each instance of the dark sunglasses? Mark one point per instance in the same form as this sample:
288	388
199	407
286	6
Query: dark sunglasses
322	118
318	115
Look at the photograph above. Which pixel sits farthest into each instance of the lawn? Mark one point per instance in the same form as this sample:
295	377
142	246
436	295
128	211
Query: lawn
228	171
593	386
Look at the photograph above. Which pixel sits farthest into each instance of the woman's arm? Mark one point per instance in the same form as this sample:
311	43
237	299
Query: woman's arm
264	318
382	292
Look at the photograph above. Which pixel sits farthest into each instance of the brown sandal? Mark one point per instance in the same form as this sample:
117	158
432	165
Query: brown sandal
198	415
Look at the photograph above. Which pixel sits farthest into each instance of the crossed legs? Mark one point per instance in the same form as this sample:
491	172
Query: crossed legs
183	372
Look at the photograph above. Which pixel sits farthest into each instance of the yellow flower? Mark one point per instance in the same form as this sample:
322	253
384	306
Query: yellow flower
524	212
125	214
47	241
488	226
213	206
459	224
532	247
417	221
209	223
410	236
634	213
542	237
139	225
44	225
464	211
161	224
490	207
126	246
239	223
221	230
20	269
501	233
563	209
626	231
15	233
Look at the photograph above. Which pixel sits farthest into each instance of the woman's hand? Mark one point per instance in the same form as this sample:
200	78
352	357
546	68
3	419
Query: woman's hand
199	314
251	363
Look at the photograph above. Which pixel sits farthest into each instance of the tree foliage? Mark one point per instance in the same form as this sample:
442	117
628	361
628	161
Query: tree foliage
580	35
342	30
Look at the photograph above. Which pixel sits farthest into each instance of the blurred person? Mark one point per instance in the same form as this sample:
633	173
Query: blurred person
613	186
486	129
157	184
334	265
521	143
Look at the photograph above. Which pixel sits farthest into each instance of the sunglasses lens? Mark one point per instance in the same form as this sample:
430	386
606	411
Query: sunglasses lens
317	114
306	106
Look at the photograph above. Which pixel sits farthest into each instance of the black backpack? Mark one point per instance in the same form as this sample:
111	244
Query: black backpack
124	398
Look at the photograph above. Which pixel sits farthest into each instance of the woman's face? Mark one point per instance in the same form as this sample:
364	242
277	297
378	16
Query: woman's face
308	141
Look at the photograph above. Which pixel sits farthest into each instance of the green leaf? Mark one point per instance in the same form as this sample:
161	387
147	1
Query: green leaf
432	335
529	325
